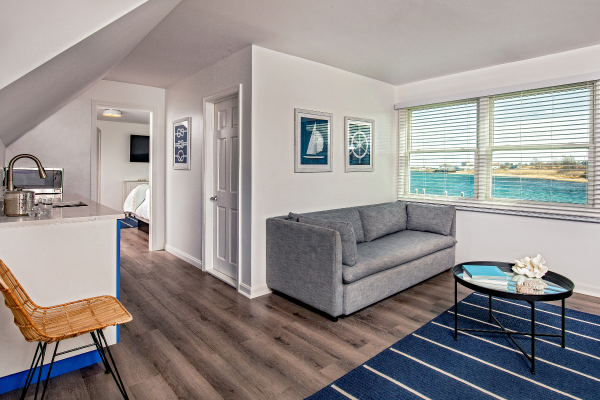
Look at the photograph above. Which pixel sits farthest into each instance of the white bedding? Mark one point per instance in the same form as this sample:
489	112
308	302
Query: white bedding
143	211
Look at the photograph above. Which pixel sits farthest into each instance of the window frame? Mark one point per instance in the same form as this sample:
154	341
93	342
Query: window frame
484	150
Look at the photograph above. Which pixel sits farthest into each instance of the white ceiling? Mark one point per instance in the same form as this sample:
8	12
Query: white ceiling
395	41
129	116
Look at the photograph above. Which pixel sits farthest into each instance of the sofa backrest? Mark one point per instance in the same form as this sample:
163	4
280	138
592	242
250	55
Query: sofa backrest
430	218
348	214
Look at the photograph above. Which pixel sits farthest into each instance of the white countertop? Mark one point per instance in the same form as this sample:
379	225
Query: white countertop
92	212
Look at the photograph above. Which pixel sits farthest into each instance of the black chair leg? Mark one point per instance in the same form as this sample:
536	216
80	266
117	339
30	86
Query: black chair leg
107	369
49	371
114	368
34	363
37	387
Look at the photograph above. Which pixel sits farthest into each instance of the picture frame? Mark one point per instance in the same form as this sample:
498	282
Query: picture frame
358	144
313	141
182	135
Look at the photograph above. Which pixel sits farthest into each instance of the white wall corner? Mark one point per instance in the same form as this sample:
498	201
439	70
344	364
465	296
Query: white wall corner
184	256
253	293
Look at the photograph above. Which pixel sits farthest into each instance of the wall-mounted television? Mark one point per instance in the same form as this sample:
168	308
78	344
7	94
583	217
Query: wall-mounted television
139	148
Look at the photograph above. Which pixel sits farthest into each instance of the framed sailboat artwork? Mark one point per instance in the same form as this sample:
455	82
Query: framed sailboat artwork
313	141
359	144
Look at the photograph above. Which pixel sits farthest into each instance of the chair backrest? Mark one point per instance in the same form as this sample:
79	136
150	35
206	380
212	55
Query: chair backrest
19	303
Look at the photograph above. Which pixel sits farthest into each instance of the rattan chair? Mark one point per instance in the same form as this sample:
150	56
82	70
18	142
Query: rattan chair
52	324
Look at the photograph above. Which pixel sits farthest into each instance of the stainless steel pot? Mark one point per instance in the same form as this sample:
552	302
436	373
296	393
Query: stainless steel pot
18	202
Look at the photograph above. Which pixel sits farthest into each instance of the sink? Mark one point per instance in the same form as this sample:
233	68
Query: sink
69	204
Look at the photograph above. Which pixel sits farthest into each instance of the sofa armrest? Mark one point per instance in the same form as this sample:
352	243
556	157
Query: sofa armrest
453	226
305	262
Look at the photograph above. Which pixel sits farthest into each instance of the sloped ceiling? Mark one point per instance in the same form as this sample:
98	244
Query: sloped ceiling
34	31
395	41
35	96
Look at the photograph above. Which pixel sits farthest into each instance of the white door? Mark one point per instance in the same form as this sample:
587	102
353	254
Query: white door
225	181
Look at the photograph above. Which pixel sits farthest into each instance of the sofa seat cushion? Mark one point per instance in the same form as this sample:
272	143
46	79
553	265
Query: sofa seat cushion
393	250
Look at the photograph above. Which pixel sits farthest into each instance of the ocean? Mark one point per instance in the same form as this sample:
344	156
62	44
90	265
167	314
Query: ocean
503	187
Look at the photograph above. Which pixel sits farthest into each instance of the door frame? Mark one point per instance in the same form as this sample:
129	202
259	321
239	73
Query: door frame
157	171
208	109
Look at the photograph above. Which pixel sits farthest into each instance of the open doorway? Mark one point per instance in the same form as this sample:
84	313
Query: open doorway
124	164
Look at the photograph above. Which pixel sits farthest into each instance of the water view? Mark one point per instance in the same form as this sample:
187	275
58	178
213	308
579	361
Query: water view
503	187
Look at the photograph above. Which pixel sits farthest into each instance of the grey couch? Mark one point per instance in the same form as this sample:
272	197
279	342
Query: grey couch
340	261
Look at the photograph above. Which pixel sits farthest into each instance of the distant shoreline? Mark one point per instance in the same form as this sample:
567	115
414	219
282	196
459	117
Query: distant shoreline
551	177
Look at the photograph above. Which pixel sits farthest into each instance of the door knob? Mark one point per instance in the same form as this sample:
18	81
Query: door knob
214	198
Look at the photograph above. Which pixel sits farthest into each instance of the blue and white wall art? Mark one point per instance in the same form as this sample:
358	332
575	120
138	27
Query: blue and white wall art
181	143
359	144
313	141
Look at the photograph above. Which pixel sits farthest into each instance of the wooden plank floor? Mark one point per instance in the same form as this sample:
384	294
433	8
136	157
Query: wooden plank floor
194	337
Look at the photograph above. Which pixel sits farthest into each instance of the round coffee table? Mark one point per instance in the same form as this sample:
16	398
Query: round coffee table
558	288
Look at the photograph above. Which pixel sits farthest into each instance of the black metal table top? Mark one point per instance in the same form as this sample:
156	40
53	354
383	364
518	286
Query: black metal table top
559	287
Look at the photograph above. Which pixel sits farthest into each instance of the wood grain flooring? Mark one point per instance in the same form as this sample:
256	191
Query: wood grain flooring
194	337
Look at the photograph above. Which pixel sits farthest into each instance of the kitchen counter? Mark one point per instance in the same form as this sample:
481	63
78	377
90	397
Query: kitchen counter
92	212
71	254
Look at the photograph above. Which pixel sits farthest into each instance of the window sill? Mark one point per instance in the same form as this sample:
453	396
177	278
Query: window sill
560	211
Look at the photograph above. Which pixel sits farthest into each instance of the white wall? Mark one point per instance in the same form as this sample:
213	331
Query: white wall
569	247
114	161
64	139
281	83
184	187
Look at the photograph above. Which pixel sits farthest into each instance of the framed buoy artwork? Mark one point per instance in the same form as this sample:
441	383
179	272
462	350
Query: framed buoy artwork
313	143
182	133
359	144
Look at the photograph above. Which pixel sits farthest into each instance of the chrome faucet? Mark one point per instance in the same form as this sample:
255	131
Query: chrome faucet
9	172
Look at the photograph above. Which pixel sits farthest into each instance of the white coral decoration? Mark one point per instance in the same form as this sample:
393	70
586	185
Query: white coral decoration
532	267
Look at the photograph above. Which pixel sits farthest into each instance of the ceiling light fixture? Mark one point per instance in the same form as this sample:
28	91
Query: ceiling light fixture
110	112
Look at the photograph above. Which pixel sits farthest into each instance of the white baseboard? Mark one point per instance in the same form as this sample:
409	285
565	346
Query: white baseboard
584	288
184	256
252	293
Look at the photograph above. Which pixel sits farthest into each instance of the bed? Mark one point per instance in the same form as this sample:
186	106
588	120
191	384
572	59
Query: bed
137	205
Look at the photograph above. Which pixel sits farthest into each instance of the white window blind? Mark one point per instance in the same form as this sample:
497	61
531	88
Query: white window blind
442	146
526	152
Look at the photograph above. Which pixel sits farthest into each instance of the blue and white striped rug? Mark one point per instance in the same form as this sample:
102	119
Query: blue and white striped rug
129	222
430	364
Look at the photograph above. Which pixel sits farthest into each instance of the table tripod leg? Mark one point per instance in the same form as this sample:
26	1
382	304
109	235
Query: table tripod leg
563	323
455	310
532	337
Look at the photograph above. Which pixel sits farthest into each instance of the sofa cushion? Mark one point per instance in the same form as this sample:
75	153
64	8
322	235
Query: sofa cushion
430	218
382	219
346	234
393	250
343	214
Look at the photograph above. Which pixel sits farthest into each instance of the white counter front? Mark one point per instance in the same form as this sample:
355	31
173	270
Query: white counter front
69	255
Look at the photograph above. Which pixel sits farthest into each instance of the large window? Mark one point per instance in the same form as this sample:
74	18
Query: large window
531	150
442	146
